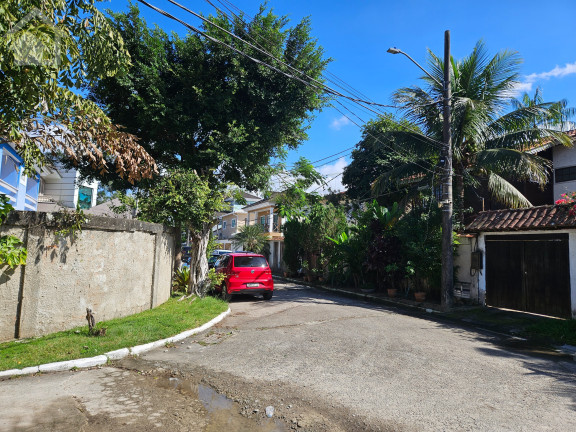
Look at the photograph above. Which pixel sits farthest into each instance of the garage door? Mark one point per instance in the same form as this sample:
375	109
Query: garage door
529	273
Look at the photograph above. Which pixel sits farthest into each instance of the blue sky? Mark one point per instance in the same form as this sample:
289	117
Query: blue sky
356	35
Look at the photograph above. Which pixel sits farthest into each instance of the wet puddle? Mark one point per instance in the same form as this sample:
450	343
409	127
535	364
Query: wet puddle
223	413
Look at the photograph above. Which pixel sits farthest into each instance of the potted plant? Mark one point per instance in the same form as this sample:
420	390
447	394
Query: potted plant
391	269
420	296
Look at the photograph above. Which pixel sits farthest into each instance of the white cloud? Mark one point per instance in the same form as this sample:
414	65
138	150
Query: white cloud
333	175
339	123
523	87
557	72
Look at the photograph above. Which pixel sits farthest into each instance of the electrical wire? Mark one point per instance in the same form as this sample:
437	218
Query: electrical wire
326	75
323	88
318	85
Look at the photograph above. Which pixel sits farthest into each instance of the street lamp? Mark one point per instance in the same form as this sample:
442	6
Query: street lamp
395	50
447	207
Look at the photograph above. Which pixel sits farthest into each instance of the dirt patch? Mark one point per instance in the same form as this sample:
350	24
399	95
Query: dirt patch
294	408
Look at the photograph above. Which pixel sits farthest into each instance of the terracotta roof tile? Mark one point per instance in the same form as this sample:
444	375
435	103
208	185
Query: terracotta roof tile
533	218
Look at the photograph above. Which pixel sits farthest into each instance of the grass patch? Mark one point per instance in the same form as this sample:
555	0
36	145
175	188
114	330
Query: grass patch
557	332
166	320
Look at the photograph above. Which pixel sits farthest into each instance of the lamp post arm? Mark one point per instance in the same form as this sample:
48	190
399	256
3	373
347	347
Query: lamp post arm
423	70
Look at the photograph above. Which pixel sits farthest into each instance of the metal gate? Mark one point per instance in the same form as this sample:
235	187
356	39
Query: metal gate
529	273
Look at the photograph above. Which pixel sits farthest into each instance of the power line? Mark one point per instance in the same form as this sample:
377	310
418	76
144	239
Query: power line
324	88
319	86
326	75
380	141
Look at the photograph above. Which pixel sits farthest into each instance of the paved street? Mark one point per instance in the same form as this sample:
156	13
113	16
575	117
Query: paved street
396	371
324	362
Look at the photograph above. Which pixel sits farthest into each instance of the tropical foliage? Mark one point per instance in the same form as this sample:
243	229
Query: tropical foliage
252	238
12	252
48	51
374	154
180	198
492	146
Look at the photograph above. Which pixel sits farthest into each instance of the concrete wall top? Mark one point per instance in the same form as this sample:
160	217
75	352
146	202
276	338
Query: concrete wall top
26	218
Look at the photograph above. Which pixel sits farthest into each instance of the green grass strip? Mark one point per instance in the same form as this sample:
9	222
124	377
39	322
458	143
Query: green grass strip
558	332
166	320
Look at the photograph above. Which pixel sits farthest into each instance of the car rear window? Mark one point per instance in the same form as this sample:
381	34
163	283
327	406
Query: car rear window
250	261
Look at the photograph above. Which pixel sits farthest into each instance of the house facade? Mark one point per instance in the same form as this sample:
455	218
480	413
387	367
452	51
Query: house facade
51	189
60	187
564	162
22	190
521	259
260	212
264	213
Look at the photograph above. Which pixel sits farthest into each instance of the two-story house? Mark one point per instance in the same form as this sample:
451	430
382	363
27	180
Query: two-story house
264	213
256	212
51	189
229	222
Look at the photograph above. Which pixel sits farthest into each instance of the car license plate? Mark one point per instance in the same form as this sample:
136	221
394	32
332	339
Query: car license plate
252	285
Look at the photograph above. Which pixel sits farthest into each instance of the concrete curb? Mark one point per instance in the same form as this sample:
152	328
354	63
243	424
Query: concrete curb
112	355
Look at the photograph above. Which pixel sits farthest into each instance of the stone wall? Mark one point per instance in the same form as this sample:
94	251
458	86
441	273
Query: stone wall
117	267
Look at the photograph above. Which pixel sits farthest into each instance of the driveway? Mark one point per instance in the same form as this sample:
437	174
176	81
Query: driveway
328	363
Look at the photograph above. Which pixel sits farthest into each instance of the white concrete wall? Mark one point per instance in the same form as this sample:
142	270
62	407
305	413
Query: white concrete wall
462	261
563	157
116	267
571	253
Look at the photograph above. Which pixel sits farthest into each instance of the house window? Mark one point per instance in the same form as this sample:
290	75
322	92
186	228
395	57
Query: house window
262	220
10	170
32	187
224	225
233	223
565	174
85	198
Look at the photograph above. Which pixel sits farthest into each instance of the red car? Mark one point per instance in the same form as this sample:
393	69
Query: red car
246	273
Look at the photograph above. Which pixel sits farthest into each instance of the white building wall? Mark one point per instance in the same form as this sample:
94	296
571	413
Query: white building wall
65	189
563	157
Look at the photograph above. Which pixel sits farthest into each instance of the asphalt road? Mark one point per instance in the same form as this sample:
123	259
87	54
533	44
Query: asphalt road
397	372
324	362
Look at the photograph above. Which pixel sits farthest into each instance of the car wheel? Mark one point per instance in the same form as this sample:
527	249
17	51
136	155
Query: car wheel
225	295
267	295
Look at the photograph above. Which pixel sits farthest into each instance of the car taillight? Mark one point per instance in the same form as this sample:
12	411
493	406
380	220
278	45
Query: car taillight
234	273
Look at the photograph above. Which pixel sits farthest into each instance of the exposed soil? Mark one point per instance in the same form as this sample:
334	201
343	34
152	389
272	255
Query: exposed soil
294	408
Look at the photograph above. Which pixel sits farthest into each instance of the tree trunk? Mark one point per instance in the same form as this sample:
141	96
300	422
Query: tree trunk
198	261
178	248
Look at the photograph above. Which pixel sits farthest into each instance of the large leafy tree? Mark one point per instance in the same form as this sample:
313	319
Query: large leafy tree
492	140
49	49
375	153
182	199
198	105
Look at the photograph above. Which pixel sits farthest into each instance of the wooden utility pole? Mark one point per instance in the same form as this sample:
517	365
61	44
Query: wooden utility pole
447	206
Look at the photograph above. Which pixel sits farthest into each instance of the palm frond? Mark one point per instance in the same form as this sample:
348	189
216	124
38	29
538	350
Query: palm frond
406	175
515	164
505	193
527	139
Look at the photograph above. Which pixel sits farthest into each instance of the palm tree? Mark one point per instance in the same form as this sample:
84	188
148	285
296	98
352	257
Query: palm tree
252	238
491	146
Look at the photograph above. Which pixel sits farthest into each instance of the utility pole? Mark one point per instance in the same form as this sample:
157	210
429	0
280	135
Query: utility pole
447	206
446	180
